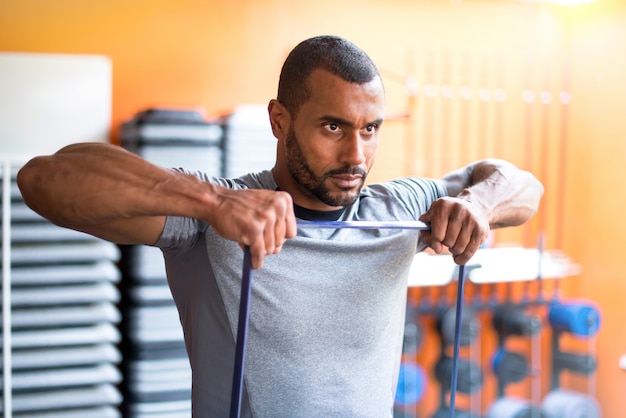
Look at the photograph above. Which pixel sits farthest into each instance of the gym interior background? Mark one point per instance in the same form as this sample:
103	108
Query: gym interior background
537	83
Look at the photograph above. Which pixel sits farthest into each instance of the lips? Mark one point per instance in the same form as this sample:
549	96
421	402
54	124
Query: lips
347	181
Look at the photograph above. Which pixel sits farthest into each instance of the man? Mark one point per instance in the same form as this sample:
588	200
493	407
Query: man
326	321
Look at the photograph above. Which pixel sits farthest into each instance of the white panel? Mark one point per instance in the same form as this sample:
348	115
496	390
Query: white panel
51	100
251	146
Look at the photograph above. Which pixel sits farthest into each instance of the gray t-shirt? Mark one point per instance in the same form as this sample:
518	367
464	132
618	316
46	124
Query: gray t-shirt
326	316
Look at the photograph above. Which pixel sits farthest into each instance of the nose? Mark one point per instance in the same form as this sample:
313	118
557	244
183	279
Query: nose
353	150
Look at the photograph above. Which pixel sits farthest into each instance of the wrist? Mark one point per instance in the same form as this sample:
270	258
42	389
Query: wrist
478	205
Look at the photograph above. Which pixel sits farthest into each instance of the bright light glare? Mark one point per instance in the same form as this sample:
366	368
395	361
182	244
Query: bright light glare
563	2
571	2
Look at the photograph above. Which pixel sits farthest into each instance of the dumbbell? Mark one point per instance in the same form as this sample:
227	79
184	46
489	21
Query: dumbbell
512	320
509	367
578	363
470	325
509	407
568	404
411	384
470	376
579	318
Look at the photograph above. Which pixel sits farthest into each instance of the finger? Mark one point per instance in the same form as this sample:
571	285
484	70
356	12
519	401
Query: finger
288	218
257	253
460	259
427	237
438	224
289	229
269	236
256	242
458	237
464	257
427	240
426	216
470	249
475	242
279	235
452	233
291	226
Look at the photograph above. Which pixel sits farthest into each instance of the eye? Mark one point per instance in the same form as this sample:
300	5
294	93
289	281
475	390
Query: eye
333	129
370	129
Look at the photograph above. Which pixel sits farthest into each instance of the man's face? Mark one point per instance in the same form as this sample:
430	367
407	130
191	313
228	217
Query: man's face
330	146
318	186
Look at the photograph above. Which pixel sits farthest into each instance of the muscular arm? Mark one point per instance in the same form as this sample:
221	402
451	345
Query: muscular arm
108	192
507	195
483	195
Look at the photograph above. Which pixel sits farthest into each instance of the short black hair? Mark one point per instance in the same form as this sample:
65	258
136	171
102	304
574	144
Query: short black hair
330	53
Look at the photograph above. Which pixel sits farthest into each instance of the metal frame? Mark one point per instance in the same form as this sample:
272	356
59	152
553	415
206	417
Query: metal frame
7	162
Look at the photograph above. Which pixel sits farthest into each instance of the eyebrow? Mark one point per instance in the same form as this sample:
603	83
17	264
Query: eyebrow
340	121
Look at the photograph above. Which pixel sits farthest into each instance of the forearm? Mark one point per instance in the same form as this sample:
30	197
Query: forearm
105	191
93	184
507	195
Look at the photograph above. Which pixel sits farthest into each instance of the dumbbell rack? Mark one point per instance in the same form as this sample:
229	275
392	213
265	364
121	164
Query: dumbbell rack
516	325
470	375
581	320
515	321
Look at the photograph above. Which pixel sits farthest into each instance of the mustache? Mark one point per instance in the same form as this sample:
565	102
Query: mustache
347	170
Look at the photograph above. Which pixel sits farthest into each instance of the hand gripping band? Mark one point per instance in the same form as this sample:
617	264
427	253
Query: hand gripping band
244	306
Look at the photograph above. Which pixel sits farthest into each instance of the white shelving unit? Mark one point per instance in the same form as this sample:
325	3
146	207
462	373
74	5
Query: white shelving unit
59	287
59	315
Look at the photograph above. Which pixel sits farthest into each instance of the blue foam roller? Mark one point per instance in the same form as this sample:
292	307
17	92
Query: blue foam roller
579	318
411	384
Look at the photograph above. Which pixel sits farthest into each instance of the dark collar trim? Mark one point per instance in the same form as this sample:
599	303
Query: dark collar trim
317	215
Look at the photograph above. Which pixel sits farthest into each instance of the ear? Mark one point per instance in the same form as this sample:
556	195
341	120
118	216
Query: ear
279	119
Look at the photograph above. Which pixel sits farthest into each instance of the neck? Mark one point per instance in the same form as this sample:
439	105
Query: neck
286	183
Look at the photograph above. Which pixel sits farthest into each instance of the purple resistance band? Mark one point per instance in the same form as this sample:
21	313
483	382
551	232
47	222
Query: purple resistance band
244	306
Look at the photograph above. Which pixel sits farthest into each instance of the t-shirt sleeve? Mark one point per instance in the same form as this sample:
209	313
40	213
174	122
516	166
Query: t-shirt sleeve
180	234
414	194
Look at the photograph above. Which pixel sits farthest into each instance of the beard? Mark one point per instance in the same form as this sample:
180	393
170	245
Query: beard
314	185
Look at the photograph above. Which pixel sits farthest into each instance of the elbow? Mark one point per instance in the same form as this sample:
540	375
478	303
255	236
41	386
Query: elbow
537	190
524	204
32	182
27	179
531	201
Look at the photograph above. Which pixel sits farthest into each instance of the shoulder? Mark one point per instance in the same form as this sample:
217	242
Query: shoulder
403	198
260	180
180	234
419	187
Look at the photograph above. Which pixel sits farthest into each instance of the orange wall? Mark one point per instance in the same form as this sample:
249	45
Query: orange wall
219	54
